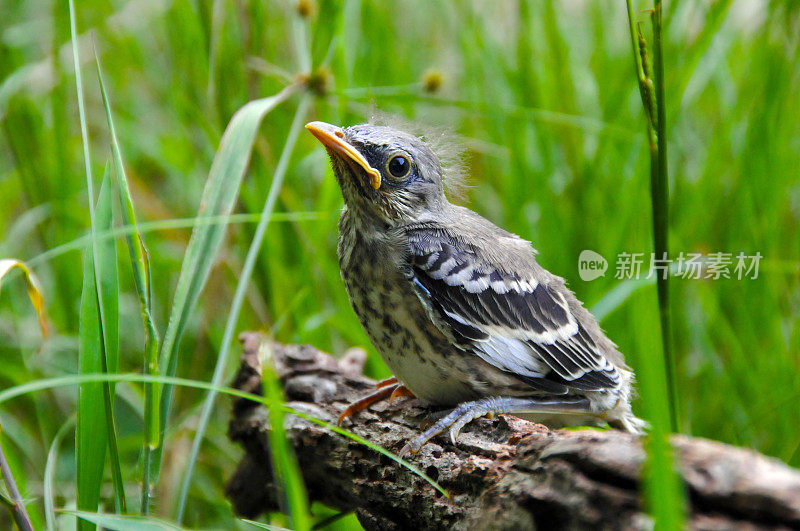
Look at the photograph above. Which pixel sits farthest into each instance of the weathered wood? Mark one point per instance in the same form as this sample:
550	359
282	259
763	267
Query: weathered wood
505	473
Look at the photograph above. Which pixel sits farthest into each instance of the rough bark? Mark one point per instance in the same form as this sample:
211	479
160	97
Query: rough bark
504	473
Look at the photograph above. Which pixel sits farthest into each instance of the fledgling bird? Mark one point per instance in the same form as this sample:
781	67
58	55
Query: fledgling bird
458	308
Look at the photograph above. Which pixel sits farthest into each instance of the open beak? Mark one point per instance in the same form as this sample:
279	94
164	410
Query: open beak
332	138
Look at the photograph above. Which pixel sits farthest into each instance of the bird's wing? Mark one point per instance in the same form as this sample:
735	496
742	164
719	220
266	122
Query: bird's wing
514	315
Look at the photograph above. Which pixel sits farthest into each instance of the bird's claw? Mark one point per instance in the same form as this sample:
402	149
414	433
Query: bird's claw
465	413
419	441
452	422
408	448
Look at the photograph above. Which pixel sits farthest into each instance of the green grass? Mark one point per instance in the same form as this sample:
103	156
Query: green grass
545	98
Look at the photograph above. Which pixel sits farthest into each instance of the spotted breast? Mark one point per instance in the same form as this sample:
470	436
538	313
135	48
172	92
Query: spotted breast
389	310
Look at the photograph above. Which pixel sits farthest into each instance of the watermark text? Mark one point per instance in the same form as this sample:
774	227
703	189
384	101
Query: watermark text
690	266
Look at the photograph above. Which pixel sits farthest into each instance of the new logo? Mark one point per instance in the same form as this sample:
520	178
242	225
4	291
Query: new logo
591	265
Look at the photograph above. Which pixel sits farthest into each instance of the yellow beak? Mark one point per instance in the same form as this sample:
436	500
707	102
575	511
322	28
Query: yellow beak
332	138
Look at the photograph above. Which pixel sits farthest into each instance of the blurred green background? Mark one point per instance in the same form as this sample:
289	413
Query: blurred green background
544	98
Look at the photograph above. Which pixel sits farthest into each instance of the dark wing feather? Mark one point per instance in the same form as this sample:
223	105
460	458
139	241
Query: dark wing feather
518	321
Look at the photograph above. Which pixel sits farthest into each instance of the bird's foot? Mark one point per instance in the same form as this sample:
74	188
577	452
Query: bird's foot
469	411
400	390
389	388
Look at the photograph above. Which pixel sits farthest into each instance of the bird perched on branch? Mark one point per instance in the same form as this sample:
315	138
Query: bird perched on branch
458	308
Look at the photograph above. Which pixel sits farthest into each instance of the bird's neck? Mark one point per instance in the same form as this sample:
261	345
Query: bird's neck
363	219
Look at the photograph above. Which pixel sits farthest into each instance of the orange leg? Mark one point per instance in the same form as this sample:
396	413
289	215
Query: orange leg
400	390
363	403
388	388
386	381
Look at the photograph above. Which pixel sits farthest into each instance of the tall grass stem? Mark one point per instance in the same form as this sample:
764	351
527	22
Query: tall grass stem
660	200
662	487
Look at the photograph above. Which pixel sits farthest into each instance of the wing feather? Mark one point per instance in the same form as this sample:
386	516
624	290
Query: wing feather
517	321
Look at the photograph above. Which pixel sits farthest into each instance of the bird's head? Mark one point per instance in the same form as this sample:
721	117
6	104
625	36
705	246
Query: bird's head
383	172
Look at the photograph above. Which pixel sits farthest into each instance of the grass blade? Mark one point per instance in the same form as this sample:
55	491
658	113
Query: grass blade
91	432
617	296
238	298
34	292
77	379
109	299
79	244
50	473
119	522
218	199
352	436
98	351
89	445
663	491
284	463
263	526
140	265
97	334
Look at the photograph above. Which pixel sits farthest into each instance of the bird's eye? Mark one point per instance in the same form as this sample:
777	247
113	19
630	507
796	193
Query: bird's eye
399	166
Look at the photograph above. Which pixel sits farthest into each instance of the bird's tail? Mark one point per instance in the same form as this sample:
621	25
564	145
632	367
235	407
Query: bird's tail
620	416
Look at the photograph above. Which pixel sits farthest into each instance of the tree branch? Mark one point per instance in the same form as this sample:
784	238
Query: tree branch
504	473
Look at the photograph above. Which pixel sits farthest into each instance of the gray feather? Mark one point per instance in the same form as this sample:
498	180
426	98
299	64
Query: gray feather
492	297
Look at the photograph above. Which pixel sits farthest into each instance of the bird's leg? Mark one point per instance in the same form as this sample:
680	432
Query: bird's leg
388	388
363	403
400	390
386	381
469	411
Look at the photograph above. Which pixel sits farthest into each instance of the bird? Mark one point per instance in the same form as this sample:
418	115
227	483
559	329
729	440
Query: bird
458	308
